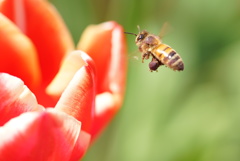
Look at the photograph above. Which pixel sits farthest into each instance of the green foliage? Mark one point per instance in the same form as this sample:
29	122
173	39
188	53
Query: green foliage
192	115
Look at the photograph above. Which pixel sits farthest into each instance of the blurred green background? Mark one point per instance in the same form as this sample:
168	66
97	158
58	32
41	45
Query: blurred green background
192	115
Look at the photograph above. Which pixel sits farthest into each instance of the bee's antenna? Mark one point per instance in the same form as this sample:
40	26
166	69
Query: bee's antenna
130	33
139	30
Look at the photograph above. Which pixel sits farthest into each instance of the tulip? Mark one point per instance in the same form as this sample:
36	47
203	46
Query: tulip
54	99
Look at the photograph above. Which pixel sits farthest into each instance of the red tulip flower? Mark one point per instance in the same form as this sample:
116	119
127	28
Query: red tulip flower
53	100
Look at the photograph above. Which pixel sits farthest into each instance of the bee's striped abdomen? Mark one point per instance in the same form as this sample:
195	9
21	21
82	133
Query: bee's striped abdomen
169	57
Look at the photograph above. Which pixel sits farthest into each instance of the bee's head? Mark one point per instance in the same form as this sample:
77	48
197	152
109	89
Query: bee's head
141	36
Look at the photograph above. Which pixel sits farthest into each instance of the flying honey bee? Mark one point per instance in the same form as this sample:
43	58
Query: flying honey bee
151	46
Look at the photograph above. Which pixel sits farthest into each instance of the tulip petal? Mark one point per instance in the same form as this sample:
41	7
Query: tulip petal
44	26
81	145
96	41
48	135
18	55
15	98
105	43
78	99
70	65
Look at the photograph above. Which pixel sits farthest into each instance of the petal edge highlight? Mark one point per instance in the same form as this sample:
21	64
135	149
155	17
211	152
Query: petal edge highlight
15	98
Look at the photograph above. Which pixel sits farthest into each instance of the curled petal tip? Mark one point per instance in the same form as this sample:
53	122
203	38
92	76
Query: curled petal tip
78	99
90	65
70	65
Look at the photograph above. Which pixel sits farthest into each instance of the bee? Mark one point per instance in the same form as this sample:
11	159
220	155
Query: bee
151	46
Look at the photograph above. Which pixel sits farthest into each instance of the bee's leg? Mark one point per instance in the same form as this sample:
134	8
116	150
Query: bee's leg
145	56
154	64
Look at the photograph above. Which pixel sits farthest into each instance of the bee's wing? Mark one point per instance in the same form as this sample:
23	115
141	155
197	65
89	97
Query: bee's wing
166	27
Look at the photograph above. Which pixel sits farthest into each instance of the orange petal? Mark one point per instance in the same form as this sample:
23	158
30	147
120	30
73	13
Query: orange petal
44	26
96	41
48	135
15	98
17	54
105	43
78	99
